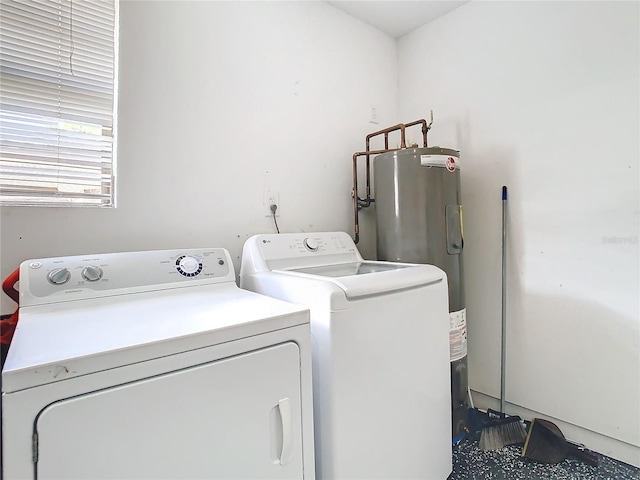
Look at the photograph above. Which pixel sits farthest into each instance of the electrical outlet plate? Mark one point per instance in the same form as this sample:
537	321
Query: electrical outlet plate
271	198
373	114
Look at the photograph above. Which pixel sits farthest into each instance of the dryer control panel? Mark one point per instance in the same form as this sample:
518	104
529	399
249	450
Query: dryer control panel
295	250
48	280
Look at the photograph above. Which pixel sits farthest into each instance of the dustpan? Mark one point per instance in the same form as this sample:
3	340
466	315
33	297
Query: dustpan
545	443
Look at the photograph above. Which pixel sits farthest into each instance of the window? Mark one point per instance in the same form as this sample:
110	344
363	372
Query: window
57	77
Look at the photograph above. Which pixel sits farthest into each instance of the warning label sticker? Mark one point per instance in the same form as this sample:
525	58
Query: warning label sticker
451	164
457	335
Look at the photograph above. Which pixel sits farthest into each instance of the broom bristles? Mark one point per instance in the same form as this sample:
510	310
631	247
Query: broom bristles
507	432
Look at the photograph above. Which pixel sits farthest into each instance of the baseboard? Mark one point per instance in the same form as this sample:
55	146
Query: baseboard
625	452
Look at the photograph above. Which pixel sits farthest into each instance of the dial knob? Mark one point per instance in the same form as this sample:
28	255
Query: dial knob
188	266
58	276
310	244
92	273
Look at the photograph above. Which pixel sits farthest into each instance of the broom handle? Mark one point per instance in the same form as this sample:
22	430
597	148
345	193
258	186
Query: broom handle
503	336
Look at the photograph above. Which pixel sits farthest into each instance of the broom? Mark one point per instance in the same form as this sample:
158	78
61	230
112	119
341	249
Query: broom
502	429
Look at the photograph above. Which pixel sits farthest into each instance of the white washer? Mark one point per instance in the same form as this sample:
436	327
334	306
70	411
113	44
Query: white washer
380	340
153	365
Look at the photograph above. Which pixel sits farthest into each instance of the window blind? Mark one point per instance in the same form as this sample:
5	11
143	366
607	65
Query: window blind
57	72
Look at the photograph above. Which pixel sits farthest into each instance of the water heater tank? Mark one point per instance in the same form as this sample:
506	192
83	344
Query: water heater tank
419	220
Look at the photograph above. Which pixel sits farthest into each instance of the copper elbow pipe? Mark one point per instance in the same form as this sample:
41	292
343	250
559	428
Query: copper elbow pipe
425	129
386	131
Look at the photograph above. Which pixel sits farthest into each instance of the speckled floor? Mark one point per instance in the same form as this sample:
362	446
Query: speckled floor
471	463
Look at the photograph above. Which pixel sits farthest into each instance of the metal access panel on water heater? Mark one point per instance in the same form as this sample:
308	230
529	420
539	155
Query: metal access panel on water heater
419	220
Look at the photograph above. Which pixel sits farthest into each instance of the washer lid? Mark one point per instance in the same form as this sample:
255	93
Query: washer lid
328	257
367	278
349	269
65	340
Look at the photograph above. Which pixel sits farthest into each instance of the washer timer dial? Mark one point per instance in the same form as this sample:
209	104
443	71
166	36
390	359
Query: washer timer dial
310	244
188	266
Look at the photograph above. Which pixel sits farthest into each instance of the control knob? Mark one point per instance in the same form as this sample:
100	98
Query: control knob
188	266
92	273
59	276
310	244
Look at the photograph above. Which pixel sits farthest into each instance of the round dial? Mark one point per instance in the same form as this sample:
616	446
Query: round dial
310	244
92	273
58	276
188	266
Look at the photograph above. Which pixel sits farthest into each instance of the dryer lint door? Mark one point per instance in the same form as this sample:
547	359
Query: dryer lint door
234	418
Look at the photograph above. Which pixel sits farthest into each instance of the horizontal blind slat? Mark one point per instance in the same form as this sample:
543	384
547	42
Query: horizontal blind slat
56	98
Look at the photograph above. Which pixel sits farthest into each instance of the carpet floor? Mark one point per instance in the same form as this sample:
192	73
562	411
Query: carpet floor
471	463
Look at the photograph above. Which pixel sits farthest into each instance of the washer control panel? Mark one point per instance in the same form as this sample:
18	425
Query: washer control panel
293	250
302	244
89	276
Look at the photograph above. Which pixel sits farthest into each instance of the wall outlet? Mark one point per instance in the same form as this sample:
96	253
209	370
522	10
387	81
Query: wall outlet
373	114
271	198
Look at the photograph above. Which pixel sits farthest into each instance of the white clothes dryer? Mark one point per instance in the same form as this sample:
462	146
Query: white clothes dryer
154	365
380	342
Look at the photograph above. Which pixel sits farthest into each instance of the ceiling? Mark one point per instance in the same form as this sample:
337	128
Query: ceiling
397	17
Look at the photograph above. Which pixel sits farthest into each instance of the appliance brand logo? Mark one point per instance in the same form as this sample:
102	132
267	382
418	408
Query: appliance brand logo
451	164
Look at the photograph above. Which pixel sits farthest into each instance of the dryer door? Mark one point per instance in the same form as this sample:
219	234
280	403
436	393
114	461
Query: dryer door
234	418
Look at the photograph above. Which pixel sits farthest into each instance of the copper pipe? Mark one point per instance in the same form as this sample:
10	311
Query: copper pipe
400	126
367	176
354	193
425	129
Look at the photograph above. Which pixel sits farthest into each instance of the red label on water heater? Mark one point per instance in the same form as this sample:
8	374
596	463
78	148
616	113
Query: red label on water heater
451	164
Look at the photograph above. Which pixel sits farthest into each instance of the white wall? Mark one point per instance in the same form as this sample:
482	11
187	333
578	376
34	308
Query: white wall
218	101
544	97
